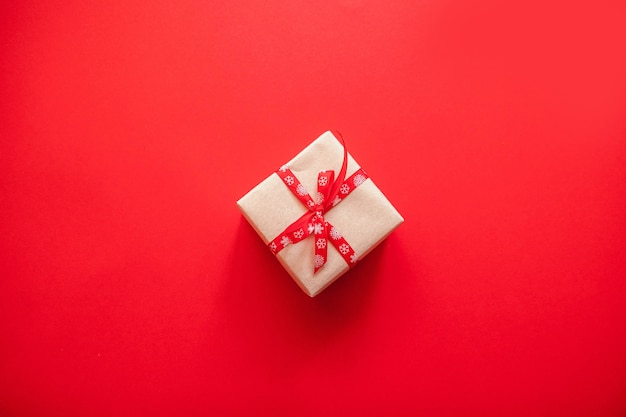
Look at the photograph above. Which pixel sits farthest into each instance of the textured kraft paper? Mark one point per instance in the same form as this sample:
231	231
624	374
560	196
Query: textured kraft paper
365	217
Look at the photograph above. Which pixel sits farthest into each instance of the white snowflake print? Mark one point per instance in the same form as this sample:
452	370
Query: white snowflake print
301	190
289	180
345	189
321	243
310	203
284	168
273	247
320	198
354	258
322	181
336	200
334	233
298	233
358	179
344	248
285	241
316	228
319	261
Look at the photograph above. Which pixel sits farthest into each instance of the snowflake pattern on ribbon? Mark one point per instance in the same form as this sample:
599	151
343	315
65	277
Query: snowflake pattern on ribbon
358	180
301	190
285	241
328	195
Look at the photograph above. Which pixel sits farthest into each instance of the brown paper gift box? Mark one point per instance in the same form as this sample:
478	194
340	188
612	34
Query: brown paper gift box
365	217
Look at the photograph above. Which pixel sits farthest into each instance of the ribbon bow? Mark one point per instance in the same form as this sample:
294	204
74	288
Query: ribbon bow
330	192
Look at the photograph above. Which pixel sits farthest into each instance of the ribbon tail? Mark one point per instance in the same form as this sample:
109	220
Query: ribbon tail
321	253
343	247
320	227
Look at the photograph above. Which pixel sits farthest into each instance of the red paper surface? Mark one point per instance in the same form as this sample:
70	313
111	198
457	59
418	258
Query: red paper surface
131	285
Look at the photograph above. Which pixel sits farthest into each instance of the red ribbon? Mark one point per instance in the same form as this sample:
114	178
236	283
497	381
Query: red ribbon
330	192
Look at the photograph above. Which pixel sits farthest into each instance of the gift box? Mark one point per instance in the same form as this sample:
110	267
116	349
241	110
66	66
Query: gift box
320	213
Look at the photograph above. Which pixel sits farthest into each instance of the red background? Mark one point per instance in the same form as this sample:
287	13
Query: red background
131	285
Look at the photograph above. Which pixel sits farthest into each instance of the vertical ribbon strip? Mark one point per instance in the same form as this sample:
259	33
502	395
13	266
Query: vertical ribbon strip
330	192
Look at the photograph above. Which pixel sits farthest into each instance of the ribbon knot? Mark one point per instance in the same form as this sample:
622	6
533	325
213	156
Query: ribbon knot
330	192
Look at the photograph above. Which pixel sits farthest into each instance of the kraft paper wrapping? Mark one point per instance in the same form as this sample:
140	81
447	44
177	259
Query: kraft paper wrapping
365	217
